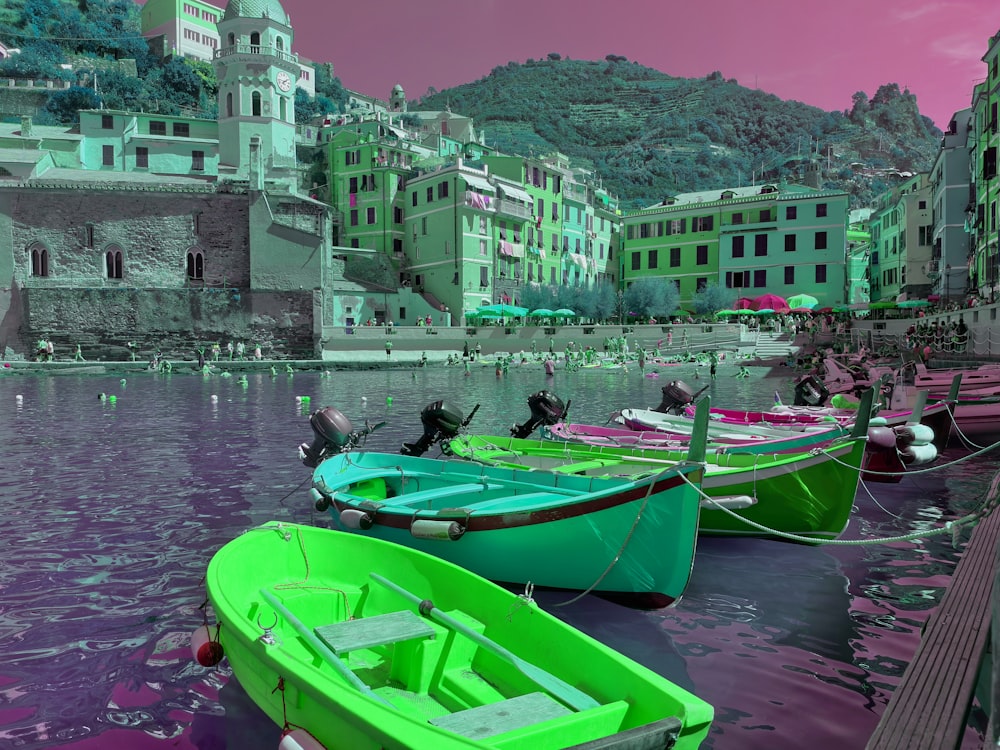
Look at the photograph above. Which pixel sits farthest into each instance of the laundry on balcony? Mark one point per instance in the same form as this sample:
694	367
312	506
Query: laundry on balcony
477	200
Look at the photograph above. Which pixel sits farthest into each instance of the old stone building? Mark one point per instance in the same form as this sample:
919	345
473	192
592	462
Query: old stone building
168	231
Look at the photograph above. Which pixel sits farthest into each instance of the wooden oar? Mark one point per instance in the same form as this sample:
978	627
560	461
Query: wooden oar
321	648
562	690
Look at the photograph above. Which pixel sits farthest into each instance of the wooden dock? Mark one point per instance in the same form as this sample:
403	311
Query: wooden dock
930	708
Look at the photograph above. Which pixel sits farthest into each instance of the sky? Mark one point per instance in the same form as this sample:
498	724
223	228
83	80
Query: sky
820	53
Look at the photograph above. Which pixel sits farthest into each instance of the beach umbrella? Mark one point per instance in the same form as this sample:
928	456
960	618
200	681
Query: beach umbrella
505	309
801	310
562	312
743	303
726	313
769	302
913	303
482	312
540	313
883	305
802	300
764	311
824	310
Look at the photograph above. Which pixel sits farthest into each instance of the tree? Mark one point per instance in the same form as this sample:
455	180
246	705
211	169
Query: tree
712	298
64	107
651	297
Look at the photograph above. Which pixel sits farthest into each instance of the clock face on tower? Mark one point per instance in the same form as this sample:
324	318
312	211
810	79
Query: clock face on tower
284	81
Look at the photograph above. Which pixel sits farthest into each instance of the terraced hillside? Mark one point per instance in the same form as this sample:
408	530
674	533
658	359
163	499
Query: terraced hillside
649	134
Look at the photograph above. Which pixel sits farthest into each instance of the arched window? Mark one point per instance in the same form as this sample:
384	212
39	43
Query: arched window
229	104
113	261
255	42
279	43
231	38
195	265
255	104
39	261
283	107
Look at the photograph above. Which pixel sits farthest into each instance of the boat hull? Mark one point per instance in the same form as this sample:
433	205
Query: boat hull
615	536
291	581
808	494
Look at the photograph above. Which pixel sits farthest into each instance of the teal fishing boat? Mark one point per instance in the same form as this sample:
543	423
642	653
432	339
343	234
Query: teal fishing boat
615	535
807	494
346	641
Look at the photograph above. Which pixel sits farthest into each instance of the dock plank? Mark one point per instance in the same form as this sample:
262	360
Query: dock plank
929	709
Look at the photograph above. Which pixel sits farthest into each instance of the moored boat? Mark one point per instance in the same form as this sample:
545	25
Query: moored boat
630	536
808	494
347	641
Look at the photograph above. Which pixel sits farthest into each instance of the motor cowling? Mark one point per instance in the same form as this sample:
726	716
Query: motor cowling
811	391
676	395
546	408
441	422
331	432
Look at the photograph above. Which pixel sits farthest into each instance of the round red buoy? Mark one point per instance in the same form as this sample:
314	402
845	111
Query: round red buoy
299	739
205	651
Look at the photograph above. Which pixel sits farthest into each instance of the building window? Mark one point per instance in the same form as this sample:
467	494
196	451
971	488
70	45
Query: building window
552	275
820	210
88	235
701	224
636	261
157	127
821	273
701	255
141	157
791	212
430	194
737	218
443	189
760	245
652	259
765	215
789	243
700	283
760	278
107	122
371	214
821	240
113	260
182	130
197	161
108	156
675	257
255	104
738	246
39	261
414	198
354	217
195	265
229	104
789	274
397	215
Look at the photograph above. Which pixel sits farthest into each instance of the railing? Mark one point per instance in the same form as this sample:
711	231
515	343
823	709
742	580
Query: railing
257	49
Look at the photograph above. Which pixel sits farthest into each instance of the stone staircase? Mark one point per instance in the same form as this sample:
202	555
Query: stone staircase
776	345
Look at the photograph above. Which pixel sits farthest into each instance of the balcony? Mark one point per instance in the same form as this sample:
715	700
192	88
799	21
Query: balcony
253	52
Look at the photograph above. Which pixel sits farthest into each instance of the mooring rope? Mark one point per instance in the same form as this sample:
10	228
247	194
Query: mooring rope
989	501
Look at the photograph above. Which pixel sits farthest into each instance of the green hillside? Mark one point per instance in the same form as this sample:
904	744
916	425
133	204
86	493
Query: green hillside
649	134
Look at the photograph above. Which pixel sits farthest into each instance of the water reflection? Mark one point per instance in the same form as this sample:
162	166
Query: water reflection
112	511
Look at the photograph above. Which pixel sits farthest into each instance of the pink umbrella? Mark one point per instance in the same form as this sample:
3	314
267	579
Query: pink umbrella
770	301
743	303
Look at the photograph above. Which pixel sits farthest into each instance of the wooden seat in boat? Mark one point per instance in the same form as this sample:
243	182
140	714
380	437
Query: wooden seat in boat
378	630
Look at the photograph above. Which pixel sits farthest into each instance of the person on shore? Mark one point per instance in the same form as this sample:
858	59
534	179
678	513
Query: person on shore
257	354
50	351
240	350
78	357
229	348
465	351
479	350
388	349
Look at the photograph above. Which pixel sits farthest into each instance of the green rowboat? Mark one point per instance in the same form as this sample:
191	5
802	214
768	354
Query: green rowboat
353	642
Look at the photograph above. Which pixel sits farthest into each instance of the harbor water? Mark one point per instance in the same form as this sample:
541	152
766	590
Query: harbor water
112	508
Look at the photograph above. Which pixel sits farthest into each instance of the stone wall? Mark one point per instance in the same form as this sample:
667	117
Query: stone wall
154	231
174	321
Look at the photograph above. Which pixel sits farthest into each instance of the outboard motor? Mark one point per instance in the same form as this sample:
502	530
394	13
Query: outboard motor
810	391
441	422
332	431
546	408
676	395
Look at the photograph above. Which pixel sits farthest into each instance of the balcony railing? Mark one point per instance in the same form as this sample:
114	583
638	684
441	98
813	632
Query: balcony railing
257	49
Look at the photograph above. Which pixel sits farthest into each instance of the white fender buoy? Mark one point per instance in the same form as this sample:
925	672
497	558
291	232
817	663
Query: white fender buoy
915	434
437	530
878	421
352	518
299	739
19	398
214	397
917	454
205	651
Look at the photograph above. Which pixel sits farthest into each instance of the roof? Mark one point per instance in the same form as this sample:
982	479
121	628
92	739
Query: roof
256	9
62	177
